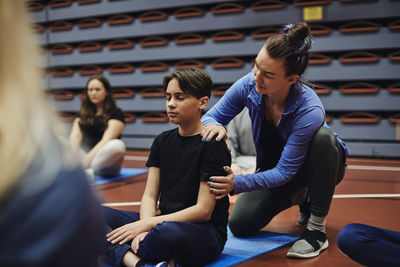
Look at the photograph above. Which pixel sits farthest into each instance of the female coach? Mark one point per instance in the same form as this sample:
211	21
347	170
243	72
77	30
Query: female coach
299	159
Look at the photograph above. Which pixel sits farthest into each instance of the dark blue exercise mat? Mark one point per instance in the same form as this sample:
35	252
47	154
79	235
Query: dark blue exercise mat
125	173
241	249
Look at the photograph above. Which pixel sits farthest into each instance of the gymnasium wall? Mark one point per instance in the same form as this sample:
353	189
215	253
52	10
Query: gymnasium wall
355	61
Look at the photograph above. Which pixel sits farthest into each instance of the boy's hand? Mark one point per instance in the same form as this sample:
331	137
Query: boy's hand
221	186
210	130
127	232
136	241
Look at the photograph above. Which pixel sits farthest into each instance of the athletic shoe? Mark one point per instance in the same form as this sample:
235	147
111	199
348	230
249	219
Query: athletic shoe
310	245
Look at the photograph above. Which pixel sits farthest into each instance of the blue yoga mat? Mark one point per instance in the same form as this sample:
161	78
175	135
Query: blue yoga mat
241	249
125	173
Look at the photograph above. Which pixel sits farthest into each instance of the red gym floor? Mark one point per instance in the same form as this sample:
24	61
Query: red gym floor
369	193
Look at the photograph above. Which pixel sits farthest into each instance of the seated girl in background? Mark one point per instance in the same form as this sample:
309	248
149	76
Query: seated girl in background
97	129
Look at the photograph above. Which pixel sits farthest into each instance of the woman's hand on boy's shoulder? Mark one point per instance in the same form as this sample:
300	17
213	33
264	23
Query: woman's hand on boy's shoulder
221	186
212	129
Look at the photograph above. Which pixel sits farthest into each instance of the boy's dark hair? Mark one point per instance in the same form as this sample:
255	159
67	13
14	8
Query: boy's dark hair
195	82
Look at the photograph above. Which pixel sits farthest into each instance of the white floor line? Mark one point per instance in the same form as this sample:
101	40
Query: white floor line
365	195
118	204
372	168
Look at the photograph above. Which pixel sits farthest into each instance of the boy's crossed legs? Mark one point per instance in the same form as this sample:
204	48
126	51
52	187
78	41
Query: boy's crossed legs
165	241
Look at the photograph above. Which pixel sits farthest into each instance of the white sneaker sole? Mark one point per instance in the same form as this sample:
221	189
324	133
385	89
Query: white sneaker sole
308	255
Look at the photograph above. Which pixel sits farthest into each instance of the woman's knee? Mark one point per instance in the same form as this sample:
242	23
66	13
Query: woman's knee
327	152
238	227
323	141
244	222
253	210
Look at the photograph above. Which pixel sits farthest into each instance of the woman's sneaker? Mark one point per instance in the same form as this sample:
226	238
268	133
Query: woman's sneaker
309	245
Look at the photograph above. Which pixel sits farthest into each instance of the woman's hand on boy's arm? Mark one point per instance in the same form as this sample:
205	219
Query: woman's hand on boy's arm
221	186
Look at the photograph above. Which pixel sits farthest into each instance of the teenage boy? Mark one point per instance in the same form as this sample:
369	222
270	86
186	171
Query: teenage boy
190	228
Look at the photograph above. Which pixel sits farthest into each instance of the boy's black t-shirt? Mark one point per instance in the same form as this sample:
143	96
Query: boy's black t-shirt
184	161
92	134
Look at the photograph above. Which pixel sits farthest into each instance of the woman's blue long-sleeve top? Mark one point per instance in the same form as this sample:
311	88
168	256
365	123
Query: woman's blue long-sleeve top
302	116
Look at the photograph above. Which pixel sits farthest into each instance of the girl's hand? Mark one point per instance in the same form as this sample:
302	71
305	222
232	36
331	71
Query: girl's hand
127	232
136	241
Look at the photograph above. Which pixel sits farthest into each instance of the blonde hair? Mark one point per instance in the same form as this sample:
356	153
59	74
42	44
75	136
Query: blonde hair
26	120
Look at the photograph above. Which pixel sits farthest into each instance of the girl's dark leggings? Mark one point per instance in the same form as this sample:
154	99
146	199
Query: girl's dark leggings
322	170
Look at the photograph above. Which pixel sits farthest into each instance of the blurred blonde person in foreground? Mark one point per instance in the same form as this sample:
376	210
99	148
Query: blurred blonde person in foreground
48	214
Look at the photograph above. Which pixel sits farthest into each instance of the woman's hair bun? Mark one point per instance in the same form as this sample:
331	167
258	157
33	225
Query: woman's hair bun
298	36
